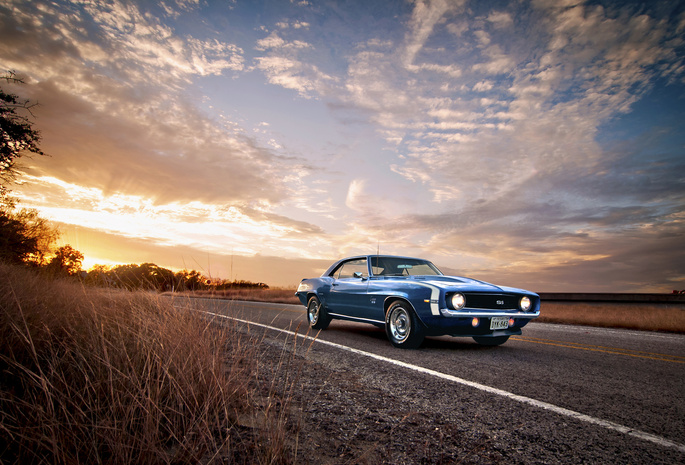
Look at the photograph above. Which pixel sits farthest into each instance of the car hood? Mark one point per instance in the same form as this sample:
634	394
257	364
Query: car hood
465	284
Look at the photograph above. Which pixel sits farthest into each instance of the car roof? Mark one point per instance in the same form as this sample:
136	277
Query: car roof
368	257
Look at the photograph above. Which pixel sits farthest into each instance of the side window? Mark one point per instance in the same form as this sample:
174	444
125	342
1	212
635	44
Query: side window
348	269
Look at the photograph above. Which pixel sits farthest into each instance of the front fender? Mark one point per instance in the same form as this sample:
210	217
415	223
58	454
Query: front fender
418	303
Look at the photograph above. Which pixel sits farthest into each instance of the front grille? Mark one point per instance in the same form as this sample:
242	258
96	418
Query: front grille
492	301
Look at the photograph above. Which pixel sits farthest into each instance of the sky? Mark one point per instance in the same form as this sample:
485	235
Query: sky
530	143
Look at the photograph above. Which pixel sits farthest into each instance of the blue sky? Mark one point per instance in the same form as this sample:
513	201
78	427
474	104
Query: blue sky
537	143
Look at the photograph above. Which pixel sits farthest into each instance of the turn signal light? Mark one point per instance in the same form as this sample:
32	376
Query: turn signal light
511	322
475	322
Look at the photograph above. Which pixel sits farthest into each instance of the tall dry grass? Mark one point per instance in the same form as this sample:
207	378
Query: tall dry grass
640	316
105	376
274	295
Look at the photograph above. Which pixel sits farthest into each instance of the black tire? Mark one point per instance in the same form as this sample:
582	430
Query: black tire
491	341
402	326
316	314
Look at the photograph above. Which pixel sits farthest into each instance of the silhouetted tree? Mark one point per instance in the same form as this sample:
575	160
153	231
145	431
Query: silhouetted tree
145	276
190	281
66	262
100	275
16	134
25	237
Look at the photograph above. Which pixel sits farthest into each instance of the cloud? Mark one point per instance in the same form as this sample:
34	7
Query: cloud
165	153
274	41
501	19
424	18
205	226
283	66
111	83
522	178
132	150
115	41
355	195
474	134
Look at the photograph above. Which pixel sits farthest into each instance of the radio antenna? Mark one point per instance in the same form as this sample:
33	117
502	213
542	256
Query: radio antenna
378	248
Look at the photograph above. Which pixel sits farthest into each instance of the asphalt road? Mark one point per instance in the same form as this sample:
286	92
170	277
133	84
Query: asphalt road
583	394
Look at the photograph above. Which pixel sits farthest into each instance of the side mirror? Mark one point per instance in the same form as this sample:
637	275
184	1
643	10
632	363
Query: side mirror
358	274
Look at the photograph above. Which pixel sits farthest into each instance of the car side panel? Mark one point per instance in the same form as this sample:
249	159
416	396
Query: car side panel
348	297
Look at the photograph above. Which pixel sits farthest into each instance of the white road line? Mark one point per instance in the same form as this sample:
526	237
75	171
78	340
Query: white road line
526	400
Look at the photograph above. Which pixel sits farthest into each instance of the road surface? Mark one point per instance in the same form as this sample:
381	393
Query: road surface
586	393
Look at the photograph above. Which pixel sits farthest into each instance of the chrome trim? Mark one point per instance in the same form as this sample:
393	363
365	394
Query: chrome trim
481	314
347	317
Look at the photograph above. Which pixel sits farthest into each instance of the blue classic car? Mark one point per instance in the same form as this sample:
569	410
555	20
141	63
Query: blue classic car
411	299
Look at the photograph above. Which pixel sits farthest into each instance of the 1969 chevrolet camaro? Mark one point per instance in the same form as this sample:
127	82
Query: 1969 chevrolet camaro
411	299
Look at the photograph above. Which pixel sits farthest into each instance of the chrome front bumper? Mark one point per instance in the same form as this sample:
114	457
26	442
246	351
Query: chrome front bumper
487	313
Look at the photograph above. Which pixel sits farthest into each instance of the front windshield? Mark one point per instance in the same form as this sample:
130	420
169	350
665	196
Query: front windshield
397	266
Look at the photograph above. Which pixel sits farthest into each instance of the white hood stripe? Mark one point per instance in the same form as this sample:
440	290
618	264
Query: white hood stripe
435	297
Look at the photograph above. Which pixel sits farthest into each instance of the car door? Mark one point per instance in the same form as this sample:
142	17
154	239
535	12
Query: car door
348	291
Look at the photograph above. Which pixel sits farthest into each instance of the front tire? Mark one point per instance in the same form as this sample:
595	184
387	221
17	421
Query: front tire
402	326
316	314
491	341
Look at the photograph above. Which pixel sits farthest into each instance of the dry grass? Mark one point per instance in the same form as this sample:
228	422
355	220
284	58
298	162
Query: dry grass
642	316
116	377
275	295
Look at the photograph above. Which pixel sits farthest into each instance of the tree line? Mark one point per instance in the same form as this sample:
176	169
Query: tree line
149	276
27	239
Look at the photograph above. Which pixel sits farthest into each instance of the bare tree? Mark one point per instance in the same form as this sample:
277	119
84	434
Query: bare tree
17	135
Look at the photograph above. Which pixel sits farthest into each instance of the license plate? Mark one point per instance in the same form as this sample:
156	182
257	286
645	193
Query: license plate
499	322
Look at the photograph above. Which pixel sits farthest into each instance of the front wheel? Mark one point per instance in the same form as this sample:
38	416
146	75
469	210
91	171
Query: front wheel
491	341
316	314
403	327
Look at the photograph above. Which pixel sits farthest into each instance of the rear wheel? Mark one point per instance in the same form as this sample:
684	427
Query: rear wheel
491	341
402	326
316	314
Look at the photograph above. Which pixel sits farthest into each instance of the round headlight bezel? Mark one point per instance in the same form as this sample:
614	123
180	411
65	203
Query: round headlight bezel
458	301
525	304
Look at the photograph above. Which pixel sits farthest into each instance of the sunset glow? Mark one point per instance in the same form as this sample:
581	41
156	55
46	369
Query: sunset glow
538	144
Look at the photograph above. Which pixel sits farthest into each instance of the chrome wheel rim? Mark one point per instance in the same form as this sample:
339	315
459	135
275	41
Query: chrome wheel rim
400	324
313	313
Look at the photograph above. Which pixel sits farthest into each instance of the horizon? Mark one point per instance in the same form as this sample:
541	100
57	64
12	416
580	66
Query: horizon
537	144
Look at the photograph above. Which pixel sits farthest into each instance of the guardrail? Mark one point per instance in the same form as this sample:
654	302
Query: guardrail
605	297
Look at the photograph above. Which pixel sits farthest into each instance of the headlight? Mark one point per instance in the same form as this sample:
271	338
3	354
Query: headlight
458	301
525	303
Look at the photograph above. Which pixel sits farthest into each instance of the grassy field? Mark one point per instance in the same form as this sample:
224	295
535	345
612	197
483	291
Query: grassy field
107	376
643	316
